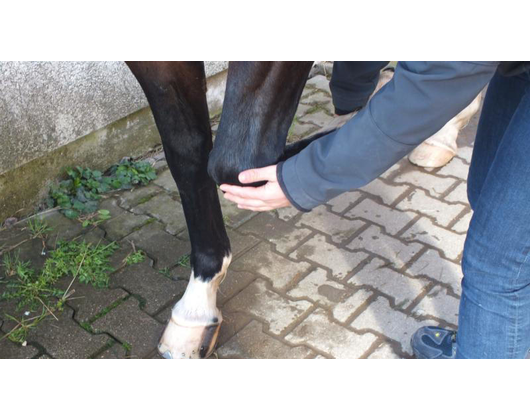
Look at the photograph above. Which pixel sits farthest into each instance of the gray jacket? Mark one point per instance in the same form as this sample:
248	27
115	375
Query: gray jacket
415	104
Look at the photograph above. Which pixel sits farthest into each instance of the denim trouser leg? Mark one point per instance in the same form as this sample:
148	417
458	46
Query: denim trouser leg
352	82
494	320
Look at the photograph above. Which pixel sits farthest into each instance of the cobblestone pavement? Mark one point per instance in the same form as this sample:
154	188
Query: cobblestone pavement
352	279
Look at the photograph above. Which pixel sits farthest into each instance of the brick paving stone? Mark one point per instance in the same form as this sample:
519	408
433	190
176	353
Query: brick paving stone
441	212
449	243
279	270
432	265
318	288
394	170
8	309
339	261
374	240
87	301
10	237
129	324
233	216
233	322
463	224
343	201
319	118
121	222
252	343
124	224
302	110
166	209
63	228
465	153
338	228
318	332
387	193
436	185
299	130
287	213
118	259
392	220
457	168
238	243
10	350
116	351
385	351
401	288
32	251
233	283
458	195
65	339
153	239
136	196
111	204
283	235
380	317
319	82
343	310
267	305
155	289
316	98
166	181
440	305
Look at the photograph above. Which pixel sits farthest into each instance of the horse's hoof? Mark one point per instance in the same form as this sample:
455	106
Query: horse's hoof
188	342
431	156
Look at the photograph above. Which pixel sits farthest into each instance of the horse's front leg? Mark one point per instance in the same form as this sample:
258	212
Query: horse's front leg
176	93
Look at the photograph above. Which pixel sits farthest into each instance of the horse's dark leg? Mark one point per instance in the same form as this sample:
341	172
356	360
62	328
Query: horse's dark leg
260	103
176	93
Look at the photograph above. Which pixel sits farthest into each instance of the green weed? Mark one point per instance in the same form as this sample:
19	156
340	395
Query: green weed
135	258
79	194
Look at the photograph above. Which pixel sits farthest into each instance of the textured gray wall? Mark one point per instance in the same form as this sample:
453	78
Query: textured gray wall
45	105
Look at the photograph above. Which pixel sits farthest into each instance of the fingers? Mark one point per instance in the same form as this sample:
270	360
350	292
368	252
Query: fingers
243	192
247	202
267	197
258	209
268	173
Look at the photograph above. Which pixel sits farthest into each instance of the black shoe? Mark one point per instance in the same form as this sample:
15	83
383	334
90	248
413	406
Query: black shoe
434	343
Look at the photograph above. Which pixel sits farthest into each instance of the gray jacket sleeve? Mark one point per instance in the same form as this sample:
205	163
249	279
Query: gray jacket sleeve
415	104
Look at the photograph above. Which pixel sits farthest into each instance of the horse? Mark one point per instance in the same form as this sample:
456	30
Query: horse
260	102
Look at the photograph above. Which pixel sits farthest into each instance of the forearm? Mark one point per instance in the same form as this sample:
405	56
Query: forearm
419	100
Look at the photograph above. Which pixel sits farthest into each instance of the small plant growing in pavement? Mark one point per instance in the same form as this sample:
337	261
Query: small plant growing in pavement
184	261
135	258
85	262
79	194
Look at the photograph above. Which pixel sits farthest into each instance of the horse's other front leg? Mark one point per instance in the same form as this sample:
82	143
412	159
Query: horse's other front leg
176	92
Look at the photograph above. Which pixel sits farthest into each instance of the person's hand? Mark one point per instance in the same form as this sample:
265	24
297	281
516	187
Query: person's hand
267	197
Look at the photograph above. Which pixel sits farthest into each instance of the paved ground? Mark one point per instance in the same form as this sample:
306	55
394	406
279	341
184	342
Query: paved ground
352	279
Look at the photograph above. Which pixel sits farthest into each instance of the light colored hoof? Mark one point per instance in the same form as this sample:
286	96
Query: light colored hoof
431	156
188	342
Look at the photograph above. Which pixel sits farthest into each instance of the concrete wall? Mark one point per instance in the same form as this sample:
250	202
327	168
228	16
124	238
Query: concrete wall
46	105
55	115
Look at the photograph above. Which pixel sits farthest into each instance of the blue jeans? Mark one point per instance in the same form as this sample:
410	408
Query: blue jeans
494	319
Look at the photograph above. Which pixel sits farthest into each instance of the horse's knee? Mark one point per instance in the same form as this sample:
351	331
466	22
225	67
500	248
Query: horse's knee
225	162
224	168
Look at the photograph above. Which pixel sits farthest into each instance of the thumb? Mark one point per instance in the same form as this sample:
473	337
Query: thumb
268	173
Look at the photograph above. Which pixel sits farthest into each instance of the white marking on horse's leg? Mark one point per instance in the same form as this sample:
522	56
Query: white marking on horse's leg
440	148
195	320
